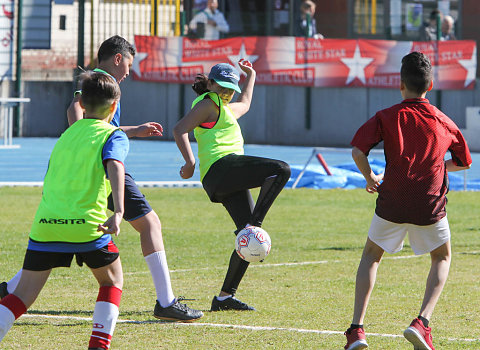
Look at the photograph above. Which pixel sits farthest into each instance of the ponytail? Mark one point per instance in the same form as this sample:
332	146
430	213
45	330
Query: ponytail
200	84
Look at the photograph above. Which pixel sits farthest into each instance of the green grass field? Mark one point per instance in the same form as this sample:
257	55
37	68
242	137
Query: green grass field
303	291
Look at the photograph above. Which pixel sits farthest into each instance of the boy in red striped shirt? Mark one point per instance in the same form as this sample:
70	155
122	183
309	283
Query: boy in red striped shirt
411	193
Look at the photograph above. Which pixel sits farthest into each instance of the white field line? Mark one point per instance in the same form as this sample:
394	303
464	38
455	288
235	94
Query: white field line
300	263
167	184
319	262
231	326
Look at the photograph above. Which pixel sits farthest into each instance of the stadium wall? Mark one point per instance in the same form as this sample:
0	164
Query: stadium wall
277	114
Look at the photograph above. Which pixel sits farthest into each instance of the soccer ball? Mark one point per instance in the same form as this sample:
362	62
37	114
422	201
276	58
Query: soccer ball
253	244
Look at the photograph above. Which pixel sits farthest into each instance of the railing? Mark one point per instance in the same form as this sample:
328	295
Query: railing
7	105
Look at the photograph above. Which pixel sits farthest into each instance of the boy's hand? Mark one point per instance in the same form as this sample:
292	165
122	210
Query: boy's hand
373	182
149	129
112	225
187	171
246	66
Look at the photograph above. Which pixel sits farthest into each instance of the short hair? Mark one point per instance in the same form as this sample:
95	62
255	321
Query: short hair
416	72
435	13
99	91
307	5
112	46
448	19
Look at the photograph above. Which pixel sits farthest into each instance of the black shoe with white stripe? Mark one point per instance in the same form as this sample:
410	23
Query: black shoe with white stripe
230	303
176	312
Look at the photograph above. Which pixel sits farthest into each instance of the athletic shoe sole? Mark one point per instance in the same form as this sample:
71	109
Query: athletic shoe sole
176	319
359	344
414	337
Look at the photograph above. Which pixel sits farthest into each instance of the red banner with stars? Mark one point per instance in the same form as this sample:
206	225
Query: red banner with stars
305	62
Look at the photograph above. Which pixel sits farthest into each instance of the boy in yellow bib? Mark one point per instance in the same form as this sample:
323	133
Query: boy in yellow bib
71	219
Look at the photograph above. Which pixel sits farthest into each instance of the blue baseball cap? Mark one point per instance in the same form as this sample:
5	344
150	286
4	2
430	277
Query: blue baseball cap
226	76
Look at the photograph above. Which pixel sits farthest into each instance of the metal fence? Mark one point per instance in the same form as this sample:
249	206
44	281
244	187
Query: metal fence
97	20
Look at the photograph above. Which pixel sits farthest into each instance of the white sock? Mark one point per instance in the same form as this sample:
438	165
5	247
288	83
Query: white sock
13	283
105	317
157	263
224	297
6	320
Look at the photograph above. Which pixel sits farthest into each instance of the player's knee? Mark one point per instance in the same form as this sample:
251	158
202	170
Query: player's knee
283	170
153	219
147	224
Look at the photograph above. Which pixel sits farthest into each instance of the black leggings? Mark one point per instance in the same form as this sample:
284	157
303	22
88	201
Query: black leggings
229	181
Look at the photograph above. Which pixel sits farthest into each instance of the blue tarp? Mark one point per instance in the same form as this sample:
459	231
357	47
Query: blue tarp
348	176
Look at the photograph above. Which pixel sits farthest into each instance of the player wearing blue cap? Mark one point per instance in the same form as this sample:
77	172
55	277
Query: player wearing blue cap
226	173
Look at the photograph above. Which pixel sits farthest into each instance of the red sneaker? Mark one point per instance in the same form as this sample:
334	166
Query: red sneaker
419	335
355	339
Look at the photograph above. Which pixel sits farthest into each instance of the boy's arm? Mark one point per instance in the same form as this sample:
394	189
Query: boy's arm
361	160
143	130
451	166
75	110
242	105
116	174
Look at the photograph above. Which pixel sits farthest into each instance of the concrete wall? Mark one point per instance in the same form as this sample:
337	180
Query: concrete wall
277	114
46	114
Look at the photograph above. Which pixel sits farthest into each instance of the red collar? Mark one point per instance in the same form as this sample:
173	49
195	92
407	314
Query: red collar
415	100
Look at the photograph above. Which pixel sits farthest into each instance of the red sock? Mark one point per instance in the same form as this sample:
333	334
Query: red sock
14	304
105	317
11	308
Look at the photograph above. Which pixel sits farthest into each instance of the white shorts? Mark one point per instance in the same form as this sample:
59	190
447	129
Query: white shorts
423	239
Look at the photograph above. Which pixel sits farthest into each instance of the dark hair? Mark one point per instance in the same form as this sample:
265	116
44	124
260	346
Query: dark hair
434	14
99	90
112	46
307	5
416	72
200	84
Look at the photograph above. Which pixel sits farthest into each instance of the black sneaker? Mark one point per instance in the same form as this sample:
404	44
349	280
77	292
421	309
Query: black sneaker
3	290
176	312
231	303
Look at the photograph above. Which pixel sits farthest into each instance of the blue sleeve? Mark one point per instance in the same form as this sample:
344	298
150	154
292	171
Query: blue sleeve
116	117
116	147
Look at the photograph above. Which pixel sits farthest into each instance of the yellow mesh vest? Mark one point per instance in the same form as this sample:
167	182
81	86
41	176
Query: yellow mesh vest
75	189
223	139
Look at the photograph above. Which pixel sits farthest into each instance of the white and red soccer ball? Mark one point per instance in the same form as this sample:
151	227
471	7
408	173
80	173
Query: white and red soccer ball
253	244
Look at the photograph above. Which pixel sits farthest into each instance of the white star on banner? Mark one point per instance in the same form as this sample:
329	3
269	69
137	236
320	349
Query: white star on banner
471	67
139	57
242	54
356	65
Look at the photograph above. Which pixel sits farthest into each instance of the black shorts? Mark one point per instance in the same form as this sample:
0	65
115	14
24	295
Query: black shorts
40	261
234	173
136	205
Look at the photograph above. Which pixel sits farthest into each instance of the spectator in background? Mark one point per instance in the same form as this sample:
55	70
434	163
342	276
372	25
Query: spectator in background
306	25
209	23
198	5
428	32
447	28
